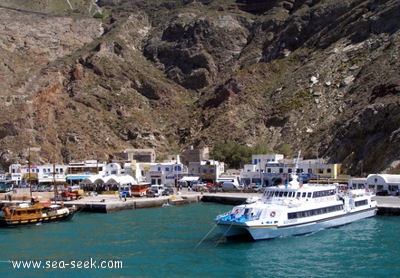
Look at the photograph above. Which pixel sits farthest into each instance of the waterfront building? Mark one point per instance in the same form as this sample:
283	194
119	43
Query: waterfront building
166	173
357	183
138	170
78	171
15	173
211	170
113	169
107	184
384	184
271	169
52	173
37	174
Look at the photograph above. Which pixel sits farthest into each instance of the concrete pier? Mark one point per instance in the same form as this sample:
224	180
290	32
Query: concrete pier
112	203
388	205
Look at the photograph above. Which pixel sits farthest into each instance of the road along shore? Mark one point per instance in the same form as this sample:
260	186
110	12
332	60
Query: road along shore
106	203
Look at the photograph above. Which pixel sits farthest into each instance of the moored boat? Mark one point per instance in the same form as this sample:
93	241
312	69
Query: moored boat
19	214
296	209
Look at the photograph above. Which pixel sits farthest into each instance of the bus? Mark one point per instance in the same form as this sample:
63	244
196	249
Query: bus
139	190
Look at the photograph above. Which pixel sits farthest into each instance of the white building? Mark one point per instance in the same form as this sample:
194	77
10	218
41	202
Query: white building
384	183
138	170
39	174
270	169
357	183
260	160
113	169
110	180
166	173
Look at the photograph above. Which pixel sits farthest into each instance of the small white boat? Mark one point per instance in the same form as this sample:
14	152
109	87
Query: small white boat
297	209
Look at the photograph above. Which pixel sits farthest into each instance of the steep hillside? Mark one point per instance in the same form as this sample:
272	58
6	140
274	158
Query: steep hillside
86	80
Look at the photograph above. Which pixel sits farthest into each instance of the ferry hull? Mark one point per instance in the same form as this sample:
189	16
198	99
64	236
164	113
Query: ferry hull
259	232
35	221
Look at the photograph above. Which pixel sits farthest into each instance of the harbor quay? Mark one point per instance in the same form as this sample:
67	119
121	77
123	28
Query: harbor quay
107	203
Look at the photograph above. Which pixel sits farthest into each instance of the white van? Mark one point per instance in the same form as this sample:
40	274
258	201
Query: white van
229	183
234	180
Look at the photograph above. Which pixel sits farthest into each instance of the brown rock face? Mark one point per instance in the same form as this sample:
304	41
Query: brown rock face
90	80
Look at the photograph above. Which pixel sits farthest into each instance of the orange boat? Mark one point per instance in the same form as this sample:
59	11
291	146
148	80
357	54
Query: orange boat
13	214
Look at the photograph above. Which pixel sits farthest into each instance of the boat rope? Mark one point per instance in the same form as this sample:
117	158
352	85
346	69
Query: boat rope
209	232
79	209
223	235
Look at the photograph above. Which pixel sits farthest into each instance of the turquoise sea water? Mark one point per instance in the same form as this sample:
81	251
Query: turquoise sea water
167	242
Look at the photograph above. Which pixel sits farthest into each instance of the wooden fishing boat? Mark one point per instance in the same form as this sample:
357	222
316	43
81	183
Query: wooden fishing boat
14	214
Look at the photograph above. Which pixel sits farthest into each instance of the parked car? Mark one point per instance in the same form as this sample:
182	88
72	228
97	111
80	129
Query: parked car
157	189
229	186
93	193
256	187
151	193
199	187
167	192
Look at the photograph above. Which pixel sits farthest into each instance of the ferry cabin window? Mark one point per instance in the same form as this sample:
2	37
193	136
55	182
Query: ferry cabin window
319	211
298	194
324	193
361	203
303	195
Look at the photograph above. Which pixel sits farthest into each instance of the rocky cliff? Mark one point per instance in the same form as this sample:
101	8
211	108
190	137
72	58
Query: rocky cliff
84	79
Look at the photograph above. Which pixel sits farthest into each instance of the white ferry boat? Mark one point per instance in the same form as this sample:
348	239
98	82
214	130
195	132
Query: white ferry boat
297	209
